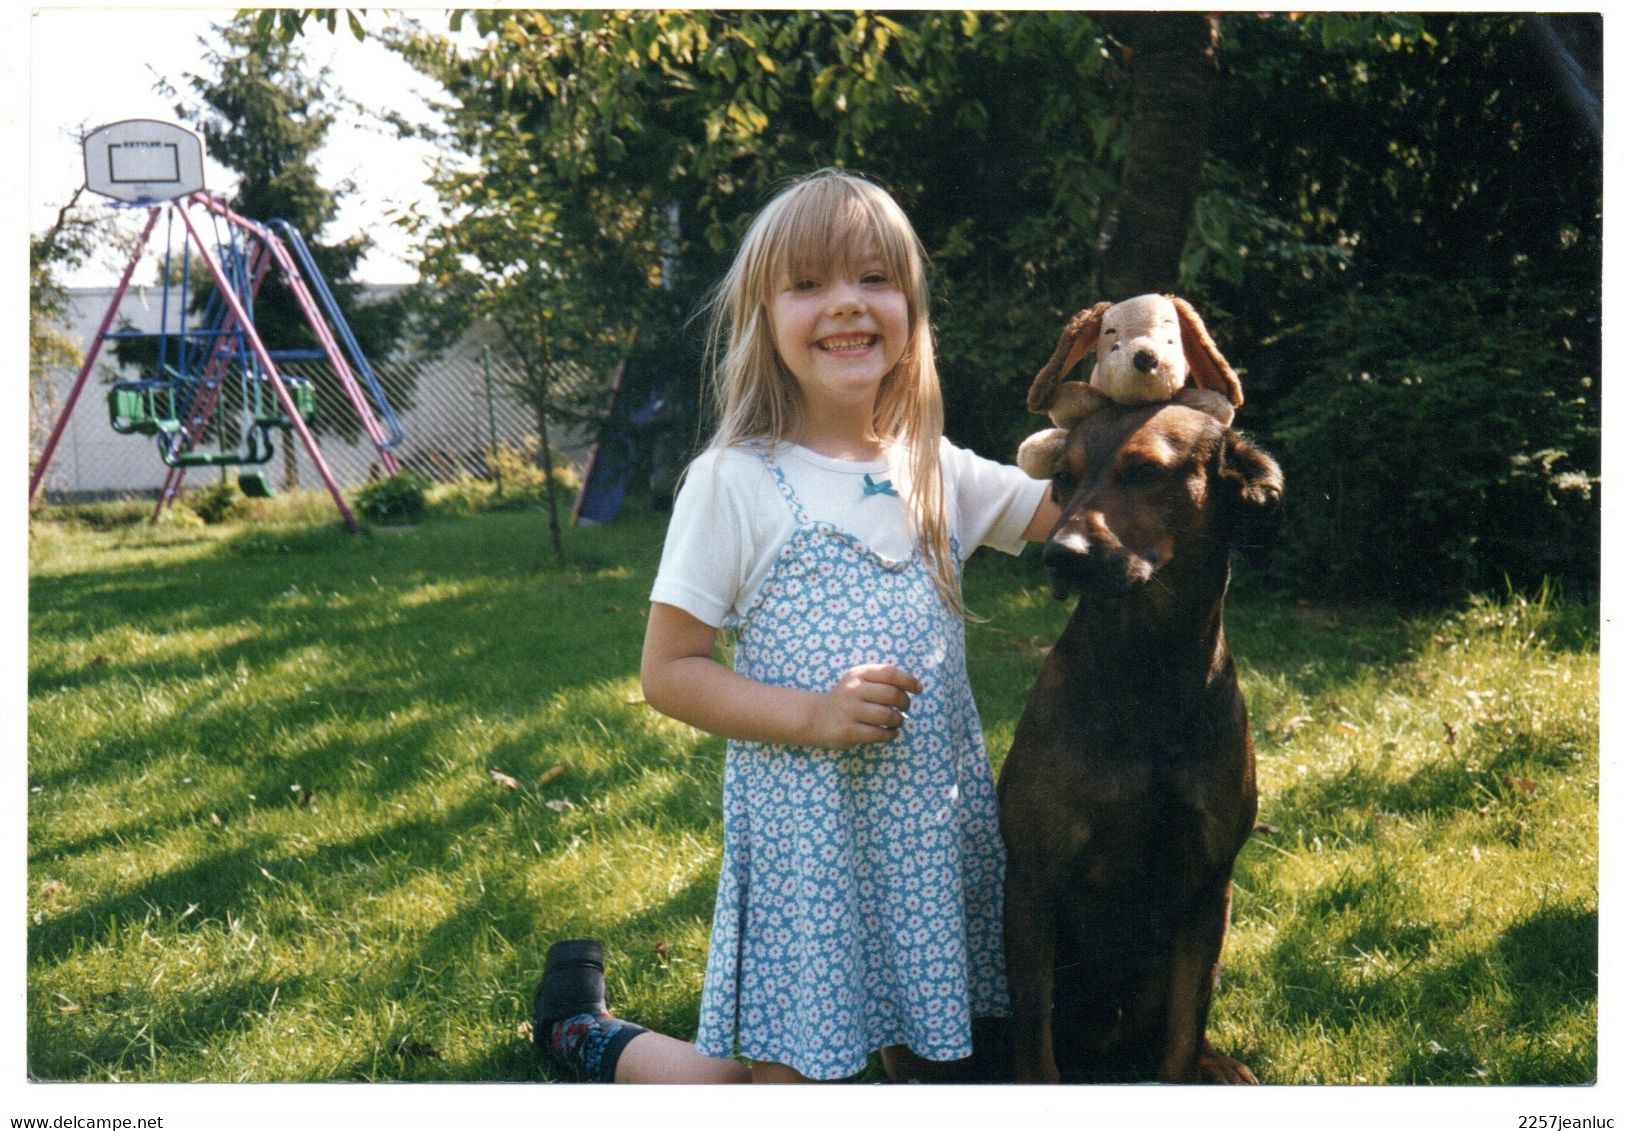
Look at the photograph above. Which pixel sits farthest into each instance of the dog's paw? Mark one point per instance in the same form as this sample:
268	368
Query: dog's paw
1075	400
1216	1068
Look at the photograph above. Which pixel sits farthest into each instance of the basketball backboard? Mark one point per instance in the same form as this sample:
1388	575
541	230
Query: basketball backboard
143	160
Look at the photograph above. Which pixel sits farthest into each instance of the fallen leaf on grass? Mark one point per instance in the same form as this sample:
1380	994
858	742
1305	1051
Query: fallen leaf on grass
1291	727
1348	728
612	608
71	1007
506	781
1474	853
302	795
552	772
1266	828
418	1049
561	805
660	948
1031	645
1522	785
525	1031
1449	734
217	821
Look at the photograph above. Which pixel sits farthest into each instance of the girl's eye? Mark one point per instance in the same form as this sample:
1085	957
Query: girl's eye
875	279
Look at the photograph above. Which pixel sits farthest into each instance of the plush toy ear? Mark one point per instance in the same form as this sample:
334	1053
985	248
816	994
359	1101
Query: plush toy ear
1040	453
1256	488
1077	340
1209	369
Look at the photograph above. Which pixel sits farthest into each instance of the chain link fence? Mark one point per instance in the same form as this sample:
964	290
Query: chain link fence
454	409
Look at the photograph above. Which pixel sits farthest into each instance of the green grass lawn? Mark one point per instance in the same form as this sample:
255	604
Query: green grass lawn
309	806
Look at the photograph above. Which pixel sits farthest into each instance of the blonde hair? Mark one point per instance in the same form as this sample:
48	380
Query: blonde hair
810	226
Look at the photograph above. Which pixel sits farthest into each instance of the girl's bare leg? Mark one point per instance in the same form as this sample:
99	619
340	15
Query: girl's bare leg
767	1072
904	1065
654	1058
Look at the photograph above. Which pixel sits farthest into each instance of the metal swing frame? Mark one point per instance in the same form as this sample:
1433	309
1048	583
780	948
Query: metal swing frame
236	323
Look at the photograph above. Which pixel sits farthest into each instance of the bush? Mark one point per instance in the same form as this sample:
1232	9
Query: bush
397	499
1443	438
520	473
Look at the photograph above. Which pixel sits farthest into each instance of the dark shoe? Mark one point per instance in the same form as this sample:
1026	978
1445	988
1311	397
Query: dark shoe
572	983
573	1029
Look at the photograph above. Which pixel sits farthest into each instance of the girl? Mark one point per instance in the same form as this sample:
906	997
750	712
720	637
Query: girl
861	893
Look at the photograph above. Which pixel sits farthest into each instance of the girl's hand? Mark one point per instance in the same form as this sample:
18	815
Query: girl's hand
869	703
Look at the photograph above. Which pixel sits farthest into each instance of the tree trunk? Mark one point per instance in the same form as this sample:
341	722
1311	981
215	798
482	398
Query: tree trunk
546	458
1172	59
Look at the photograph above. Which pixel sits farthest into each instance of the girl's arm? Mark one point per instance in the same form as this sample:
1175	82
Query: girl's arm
681	679
1043	521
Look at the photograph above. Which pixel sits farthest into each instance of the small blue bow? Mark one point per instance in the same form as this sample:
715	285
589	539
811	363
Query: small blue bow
870	487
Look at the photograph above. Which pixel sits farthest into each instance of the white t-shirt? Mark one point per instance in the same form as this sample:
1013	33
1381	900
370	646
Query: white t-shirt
730	520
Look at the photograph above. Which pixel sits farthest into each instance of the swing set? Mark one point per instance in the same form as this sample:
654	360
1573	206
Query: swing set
216	395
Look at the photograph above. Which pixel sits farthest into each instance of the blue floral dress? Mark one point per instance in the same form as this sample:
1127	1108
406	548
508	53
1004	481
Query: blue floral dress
860	903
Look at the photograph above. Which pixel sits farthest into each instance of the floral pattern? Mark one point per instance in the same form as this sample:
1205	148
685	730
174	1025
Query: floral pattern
861	896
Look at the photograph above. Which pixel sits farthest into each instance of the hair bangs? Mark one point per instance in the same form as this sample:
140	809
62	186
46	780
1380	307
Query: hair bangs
833	221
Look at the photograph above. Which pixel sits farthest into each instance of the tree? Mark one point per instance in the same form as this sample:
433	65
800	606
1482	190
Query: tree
655	135
1433	393
1172	60
68	243
263	116
508	264
1355	165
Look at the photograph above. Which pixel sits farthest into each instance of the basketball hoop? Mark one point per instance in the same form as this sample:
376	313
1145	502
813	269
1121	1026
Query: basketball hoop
143	161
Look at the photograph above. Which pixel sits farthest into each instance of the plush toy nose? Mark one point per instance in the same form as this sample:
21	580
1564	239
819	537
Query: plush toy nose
1145	361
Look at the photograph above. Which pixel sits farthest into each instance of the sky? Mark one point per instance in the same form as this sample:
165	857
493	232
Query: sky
89	66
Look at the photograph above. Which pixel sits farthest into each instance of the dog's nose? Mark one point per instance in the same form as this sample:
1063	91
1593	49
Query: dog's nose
1145	361
1066	558
1068	543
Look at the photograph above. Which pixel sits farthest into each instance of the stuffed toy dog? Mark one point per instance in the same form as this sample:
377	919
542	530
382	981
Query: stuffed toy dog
1144	349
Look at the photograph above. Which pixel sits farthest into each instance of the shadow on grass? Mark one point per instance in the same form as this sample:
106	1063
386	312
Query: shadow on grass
513	630
110	1034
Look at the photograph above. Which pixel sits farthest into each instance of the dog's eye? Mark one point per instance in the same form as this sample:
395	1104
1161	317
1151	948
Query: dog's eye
1061	486
1141	474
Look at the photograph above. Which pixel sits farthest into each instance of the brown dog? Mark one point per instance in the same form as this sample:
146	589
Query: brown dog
1129	788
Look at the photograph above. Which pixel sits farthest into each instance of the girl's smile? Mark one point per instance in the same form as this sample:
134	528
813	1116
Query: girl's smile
840	333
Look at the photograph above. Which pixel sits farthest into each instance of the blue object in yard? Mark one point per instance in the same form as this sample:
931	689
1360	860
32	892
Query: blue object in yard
609	467
607	479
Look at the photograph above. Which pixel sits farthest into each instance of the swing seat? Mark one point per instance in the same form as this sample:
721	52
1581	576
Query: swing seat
304	402
142	407
254	485
204	459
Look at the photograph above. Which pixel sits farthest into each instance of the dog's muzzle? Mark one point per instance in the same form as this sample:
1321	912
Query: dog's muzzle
1076	564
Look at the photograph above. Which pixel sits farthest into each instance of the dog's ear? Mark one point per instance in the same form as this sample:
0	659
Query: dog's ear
1208	368
1079	337
1255	488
